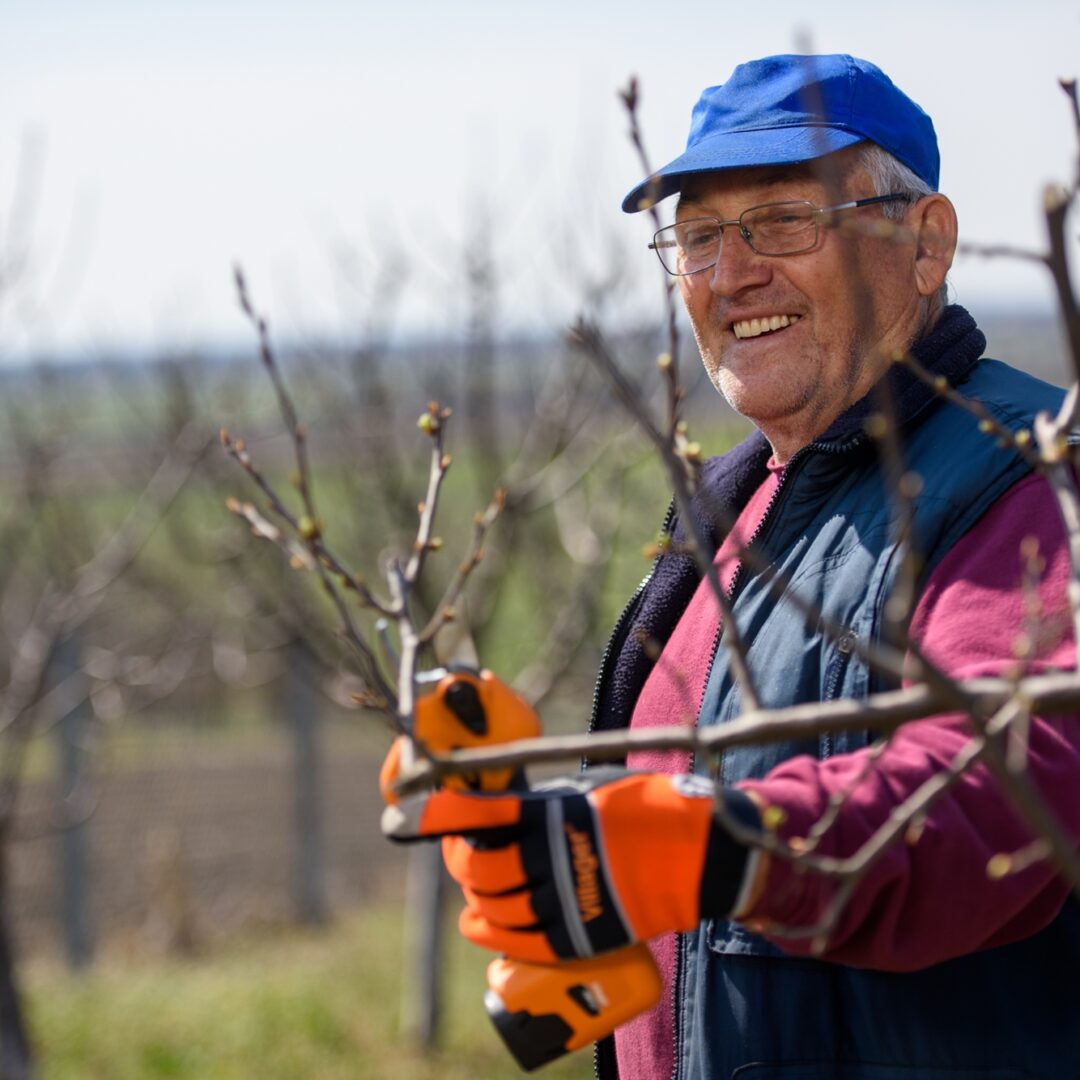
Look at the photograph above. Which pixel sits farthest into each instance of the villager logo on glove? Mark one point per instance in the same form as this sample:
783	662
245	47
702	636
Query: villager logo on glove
586	867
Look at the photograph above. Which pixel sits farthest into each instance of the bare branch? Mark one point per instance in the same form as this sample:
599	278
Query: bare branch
1056	202
878	712
679	469
446	606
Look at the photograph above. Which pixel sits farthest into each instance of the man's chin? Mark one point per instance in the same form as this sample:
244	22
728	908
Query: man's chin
759	400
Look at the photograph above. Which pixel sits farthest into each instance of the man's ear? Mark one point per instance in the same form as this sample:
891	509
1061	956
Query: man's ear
933	220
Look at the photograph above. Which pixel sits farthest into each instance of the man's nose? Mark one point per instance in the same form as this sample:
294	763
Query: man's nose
738	265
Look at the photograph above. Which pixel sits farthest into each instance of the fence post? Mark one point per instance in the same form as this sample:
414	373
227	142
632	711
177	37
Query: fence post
74	833
421	997
302	716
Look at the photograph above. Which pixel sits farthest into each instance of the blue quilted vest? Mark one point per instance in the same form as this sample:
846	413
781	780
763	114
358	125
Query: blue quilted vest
744	1008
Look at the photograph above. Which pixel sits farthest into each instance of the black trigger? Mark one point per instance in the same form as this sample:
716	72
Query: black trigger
464	702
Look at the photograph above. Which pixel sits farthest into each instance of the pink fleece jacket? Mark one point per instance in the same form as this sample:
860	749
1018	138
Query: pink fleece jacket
930	900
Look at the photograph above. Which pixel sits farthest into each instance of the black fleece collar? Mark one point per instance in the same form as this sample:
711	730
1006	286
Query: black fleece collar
952	348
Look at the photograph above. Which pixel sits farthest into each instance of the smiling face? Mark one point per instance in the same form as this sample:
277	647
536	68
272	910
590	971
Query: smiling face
792	341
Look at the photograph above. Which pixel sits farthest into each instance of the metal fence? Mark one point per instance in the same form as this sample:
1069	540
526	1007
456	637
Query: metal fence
167	837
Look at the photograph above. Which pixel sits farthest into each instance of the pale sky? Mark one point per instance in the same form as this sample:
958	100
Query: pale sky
164	141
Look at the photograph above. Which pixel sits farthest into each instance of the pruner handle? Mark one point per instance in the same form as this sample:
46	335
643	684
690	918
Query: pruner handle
466	709
543	1011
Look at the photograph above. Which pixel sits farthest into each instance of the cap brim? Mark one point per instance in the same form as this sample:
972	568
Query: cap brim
740	150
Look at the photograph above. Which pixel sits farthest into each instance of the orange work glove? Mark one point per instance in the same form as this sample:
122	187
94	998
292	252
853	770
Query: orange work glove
570	871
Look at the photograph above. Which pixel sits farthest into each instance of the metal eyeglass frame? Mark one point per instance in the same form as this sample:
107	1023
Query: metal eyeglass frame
658	243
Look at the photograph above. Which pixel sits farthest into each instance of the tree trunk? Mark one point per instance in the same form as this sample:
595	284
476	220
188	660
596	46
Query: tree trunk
15	1057
421	1001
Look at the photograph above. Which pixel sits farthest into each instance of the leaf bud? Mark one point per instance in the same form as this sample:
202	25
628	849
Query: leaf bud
427	423
1029	548
1023	646
660	546
309	528
876	426
911	485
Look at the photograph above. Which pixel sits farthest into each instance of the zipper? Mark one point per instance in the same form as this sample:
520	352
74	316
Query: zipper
844	646
676	995
737	582
680	947
620	626
601	676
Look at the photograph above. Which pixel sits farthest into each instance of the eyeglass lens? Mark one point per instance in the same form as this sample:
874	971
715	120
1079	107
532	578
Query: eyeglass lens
777	229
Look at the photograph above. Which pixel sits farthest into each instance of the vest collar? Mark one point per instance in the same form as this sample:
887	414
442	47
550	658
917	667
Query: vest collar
952	348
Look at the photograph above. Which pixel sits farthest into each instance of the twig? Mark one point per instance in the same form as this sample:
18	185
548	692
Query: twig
1019	441
1003	251
1056	202
317	552
884	711
1069	86
668	362
446	606
323	563
596	349
1063	484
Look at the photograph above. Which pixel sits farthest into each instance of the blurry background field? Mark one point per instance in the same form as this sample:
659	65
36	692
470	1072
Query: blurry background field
192	883
315	1003
195	880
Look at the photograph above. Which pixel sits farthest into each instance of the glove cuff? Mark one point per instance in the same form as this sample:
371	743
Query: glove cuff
727	861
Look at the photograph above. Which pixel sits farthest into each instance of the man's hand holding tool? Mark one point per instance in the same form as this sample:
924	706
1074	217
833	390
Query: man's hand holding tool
557	877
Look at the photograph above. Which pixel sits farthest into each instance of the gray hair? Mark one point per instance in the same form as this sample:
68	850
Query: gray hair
892	177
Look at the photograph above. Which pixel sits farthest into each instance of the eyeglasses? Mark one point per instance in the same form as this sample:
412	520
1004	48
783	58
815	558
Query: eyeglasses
783	228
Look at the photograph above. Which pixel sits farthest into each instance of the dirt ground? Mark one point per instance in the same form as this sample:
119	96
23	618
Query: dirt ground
183	851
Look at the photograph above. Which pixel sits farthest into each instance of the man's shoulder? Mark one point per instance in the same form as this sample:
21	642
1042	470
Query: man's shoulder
1009	391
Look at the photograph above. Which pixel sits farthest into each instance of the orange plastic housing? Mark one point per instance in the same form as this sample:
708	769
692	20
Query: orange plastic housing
505	715
544	1011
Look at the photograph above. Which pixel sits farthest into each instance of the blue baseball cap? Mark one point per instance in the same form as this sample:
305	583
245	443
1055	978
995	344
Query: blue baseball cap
786	109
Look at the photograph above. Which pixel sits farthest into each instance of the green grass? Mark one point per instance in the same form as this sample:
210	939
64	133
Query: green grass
305	1004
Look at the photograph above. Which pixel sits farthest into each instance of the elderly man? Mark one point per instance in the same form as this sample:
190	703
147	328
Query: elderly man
800	304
